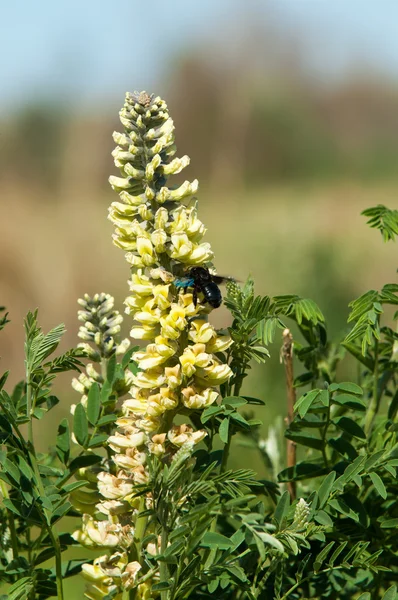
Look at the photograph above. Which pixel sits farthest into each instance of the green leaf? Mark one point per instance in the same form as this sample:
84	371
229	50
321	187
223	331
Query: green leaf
43	345
364	596
216	541
326	488
63	441
343	447
269	539
251	400
351	427
379	485
337	553
21	589
282	508
305	440
127	357
349	401
223	431
162	585
346	386
304	403
234	401
111	369
389	524
393	407
84	461
80	425
322	555
323	518
93	404
391	593
302	470
386	221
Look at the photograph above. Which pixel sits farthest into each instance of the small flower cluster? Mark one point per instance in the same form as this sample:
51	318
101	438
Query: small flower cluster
101	323
178	370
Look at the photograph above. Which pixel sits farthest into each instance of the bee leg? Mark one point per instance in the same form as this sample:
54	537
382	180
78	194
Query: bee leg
195	296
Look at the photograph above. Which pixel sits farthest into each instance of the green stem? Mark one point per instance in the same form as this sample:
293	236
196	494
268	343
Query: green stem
140	527
164	571
226	450
325	430
11	523
374	403
32	455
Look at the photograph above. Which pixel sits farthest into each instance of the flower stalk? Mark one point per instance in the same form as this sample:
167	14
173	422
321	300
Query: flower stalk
178	371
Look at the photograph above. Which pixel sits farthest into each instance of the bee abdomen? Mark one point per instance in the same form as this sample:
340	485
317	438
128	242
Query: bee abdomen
212	294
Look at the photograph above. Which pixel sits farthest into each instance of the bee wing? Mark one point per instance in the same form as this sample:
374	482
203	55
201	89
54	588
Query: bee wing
219	279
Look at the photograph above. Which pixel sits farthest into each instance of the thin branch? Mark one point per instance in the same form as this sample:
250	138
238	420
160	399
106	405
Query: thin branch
287	357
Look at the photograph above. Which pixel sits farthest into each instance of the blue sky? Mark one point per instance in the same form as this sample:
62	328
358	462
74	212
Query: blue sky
87	49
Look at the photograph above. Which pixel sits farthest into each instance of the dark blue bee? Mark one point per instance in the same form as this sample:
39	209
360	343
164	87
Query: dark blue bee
203	281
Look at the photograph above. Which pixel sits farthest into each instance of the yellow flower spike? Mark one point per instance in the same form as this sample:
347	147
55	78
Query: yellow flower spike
198	398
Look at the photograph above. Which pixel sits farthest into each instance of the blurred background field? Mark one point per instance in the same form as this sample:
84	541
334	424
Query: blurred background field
288	110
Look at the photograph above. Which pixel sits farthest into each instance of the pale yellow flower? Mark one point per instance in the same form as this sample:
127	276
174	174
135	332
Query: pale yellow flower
157	444
130	573
181	434
198	398
150	379
140	284
114	488
219	343
173	376
98	533
194	356
121	441
174	322
214	374
159	403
